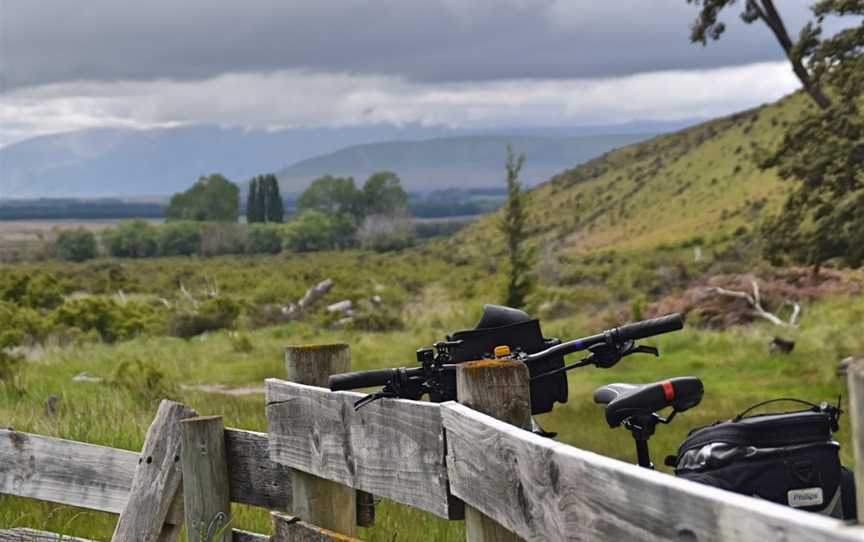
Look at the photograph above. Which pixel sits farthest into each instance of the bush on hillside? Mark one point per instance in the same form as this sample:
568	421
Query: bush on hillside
211	315
113	321
264	239
133	239
179	239
19	325
76	245
376	317
41	291
313	230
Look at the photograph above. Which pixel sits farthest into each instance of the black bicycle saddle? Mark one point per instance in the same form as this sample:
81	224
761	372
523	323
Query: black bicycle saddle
626	400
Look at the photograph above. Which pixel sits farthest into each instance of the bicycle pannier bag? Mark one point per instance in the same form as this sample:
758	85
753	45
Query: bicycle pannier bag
789	458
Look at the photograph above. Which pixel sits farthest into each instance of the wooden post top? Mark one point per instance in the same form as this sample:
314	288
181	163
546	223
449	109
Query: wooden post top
313	364
499	388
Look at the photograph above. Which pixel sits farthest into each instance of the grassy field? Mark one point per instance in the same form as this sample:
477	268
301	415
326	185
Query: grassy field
117	411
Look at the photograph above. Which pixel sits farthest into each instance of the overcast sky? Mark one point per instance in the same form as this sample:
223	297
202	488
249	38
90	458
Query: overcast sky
280	63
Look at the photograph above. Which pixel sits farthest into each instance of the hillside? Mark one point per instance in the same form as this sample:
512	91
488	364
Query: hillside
466	162
700	183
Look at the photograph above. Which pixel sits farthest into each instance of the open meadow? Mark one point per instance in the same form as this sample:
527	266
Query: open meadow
423	297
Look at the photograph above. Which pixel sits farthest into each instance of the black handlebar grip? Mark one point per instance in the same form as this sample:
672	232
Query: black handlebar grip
361	379
649	328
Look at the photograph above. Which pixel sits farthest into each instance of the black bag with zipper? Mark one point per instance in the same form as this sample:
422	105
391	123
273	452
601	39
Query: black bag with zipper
789	458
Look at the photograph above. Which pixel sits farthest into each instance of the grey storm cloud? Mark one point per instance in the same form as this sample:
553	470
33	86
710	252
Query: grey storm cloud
427	41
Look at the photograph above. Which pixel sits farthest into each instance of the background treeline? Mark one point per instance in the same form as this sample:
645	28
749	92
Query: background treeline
309	231
66	208
332	214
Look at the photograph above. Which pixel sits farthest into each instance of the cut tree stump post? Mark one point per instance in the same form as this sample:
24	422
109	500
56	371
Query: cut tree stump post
148	515
318	501
206	491
500	389
855	382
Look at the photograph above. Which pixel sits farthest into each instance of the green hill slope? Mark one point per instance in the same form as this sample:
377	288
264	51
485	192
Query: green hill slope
695	185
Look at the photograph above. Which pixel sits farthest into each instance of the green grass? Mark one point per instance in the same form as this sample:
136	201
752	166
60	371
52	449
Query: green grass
735	366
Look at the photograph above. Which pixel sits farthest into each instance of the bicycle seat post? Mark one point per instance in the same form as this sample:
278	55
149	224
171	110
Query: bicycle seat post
642	427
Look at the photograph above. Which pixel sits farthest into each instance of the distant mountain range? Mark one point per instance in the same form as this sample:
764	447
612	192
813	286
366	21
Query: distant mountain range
465	162
119	162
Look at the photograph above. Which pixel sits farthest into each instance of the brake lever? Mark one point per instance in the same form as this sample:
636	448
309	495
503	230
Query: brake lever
371	398
606	355
641	349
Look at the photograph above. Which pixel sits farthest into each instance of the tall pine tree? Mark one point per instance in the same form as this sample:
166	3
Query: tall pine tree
515	234
251	202
275	205
260	202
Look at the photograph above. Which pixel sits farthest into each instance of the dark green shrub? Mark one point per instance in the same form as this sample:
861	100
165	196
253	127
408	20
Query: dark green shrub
213	314
113	321
264	239
107	276
179	239
314	230
133	239
41	291
19	324
76	245
377	320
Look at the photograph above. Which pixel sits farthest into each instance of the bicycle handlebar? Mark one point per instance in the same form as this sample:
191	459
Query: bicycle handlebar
648	328
621	334
368	379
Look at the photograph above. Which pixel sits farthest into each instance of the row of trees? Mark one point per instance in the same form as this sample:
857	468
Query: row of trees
308	231
264	202
214	198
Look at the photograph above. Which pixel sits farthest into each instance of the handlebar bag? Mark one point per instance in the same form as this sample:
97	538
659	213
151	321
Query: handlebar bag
516	329
789	458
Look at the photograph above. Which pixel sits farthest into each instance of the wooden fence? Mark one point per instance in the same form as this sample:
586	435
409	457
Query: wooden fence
440	458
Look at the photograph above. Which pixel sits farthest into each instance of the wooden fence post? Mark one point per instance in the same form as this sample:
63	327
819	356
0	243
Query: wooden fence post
318	501
855	382
149	515
206	492
500	389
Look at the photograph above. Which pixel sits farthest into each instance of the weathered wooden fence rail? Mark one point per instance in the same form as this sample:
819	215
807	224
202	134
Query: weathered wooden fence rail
101	478
437	458
536	487
392	448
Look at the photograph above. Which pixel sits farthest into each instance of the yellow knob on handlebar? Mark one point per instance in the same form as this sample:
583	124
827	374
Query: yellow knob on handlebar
502	351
